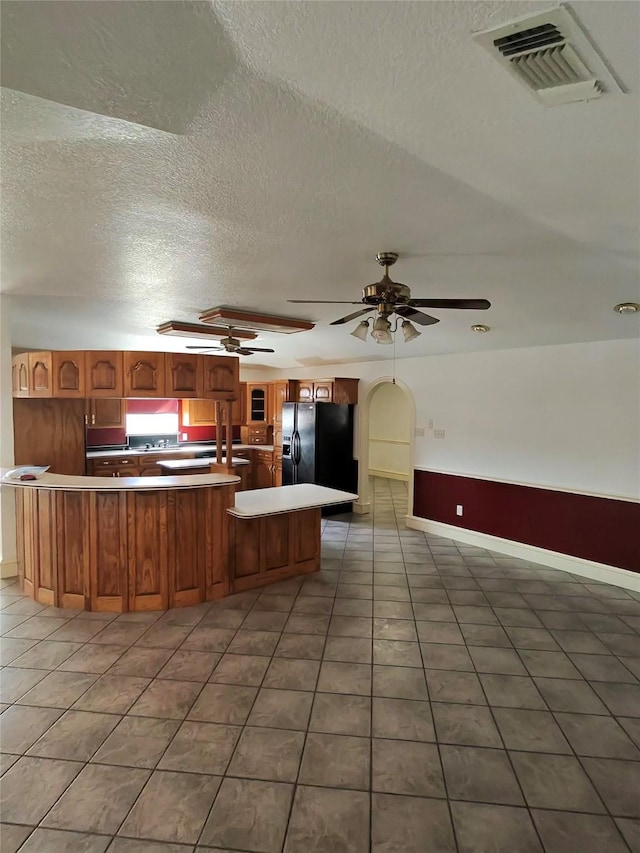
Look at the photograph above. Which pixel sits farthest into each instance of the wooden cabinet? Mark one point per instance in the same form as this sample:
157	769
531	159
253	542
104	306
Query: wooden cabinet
144	374
114	466
109	373
20	374
257	404
50	432
40	374
106	413
184	375
199	412
238	407
255	434
328	391
68	370
262	469
277	468
221	377
104	373
273	547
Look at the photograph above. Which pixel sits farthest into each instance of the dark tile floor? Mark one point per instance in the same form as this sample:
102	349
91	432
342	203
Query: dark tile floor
416	695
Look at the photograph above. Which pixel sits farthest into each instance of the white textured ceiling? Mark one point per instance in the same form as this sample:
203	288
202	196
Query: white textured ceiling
162	158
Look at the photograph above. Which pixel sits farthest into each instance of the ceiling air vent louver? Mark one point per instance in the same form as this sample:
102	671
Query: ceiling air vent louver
552	56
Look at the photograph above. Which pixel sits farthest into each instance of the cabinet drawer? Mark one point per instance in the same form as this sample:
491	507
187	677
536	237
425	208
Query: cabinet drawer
129	462
264	455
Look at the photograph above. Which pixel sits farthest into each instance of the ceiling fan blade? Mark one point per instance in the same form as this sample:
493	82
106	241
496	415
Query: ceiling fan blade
475	304
243	351
352	316
323	302
204	349
257	349
410	313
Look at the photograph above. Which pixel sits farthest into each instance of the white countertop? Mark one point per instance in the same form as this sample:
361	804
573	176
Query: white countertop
172	451
182	464
279	499
66	482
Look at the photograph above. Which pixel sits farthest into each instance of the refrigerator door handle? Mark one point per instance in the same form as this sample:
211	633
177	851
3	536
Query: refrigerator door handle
296	448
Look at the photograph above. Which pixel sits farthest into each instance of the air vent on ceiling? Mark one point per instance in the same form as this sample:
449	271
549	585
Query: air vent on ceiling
552	55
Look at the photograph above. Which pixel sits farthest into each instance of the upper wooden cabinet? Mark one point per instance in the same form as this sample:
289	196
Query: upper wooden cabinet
106	413
68	374
221	377
144	374
257	403
20	375
104	373
184	375
199	412
280	394
328	391
40	374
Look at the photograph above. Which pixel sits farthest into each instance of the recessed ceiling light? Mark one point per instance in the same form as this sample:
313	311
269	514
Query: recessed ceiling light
627	308
480	327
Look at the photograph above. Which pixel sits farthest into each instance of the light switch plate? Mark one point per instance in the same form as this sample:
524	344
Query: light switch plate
430	425
438	433
458	509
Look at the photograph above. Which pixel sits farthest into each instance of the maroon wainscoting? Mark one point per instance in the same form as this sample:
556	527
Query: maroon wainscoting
599	529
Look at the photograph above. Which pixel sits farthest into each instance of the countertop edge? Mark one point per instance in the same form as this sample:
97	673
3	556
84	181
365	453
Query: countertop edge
69	483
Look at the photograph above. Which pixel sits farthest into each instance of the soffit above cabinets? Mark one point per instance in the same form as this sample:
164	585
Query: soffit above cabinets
196	330
251	320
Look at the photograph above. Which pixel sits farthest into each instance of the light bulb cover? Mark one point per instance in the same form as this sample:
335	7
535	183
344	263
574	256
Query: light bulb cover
361	330
409	331
381	332
481	328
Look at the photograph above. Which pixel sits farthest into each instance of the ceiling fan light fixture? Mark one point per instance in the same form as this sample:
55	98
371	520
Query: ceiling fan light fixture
409	331
361	330
627	308
381	332
481	328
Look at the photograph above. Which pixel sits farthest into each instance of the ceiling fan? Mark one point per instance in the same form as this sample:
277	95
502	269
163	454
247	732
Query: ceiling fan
231	345
388	297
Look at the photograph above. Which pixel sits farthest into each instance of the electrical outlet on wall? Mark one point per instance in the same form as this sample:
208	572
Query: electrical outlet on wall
438	433
458	509
184	436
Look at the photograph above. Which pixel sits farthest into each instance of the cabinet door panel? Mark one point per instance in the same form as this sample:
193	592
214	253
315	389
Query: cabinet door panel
144	374
262	475
276	541
68	374
323	392
147	550
108	566
221	376
257	404
106	413
104	373
20	375
305	392
185	375
40	374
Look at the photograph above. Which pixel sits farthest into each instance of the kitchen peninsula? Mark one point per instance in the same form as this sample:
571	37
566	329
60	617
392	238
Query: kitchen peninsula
154	543
145	532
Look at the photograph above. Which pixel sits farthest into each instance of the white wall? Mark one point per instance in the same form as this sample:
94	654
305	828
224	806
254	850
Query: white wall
389	431
8	565
564	416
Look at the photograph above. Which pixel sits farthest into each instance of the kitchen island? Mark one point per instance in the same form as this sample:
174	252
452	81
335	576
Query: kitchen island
153	543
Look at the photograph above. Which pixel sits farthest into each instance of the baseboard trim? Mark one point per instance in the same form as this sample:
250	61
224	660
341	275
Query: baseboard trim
361	508
388	475
8	568
554	559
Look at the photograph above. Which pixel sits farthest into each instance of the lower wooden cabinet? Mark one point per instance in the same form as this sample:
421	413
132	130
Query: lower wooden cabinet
274	547
117	550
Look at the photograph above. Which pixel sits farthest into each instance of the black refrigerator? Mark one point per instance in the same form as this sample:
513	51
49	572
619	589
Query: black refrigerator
317	447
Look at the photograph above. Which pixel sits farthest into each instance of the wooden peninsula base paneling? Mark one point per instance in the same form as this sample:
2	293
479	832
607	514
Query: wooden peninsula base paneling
124	550
270	548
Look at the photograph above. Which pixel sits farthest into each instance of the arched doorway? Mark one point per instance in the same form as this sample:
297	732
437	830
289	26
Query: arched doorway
386	437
